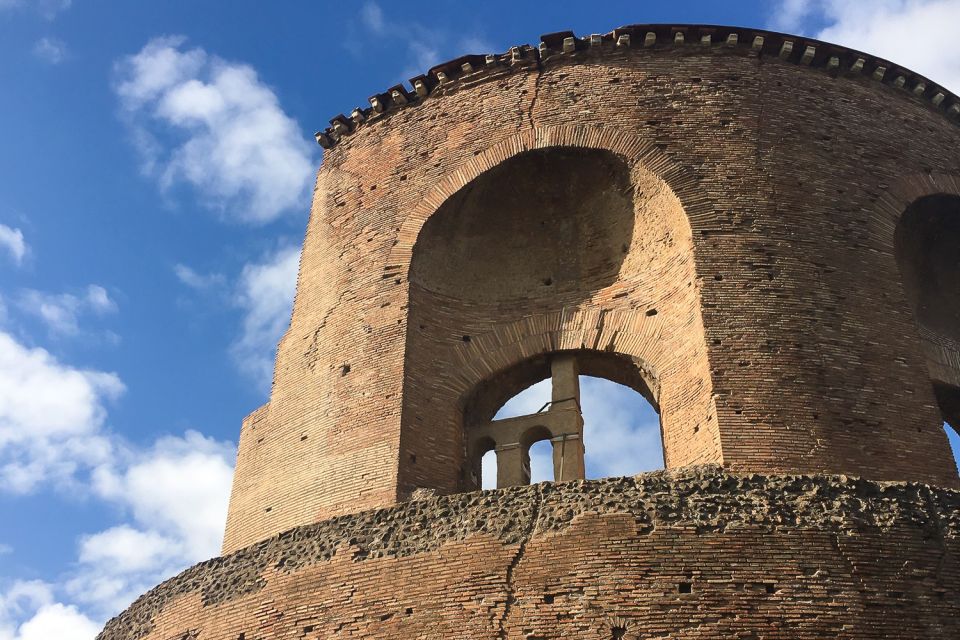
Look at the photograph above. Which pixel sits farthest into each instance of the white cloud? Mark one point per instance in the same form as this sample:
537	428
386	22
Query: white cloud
372	17
198	281
177	494
53	430
21	596
56	620
50	50
125	549
11	241
61	312
174	494
43	619
918	34
179	488
621	431
214	125
265	294
51	417
5	549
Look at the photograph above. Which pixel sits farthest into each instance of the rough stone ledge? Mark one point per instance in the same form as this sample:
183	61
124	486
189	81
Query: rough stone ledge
698	499
565	46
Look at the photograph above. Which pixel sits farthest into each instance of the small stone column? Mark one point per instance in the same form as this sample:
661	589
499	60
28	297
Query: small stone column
566	381
511	470
568	457
568	442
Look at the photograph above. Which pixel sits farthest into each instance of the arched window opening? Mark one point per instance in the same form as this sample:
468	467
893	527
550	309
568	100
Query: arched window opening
538	460
488	470
621	430
926	242
540	457
484	470
570	426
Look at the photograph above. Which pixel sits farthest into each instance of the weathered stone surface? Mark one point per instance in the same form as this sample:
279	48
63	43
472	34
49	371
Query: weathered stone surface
731	537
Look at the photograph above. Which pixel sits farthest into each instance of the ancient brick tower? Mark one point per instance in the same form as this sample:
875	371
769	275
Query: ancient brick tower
759	232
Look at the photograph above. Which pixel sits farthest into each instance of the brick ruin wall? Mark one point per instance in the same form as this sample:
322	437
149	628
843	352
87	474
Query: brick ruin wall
692	554
779	183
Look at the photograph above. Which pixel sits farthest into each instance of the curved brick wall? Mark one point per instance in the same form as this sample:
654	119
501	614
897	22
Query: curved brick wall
690	554
768	175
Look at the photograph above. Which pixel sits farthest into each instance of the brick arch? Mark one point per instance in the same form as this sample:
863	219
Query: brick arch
900	194
651	313
633	149
939	347
581	328
587	329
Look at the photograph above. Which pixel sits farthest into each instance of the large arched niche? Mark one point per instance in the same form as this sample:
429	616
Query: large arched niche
544	248
549	223
927	245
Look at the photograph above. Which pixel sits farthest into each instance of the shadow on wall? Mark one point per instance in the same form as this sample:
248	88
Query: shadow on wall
927	245
621	431
550	225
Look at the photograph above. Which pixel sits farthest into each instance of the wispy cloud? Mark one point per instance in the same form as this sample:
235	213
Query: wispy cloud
50	50
265	295
61	312
423	45
13	244
33	602
54	433
214	125
198	281
919	34
176	494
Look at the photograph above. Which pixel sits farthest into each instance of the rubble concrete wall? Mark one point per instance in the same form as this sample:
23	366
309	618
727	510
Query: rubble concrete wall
696	553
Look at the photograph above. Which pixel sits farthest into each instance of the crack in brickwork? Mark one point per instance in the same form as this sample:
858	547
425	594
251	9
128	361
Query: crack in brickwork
515	561
702	501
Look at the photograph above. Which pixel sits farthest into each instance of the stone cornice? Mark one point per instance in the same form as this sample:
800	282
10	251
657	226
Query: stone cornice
565	46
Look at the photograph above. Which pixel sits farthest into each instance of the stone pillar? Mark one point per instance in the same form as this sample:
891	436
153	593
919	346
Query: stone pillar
511	470
568	457
566	381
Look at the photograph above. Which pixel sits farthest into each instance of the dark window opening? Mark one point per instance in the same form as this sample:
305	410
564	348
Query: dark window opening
926	240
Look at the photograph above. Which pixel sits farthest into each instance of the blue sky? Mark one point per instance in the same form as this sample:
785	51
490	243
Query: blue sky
155	169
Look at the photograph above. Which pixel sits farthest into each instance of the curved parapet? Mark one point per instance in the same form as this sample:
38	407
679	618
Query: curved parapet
694	553
467	70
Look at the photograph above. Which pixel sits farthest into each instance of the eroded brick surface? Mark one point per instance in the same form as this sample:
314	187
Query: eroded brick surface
698	553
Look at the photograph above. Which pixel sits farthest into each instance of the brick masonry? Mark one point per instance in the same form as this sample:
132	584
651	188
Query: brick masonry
766	190
696	553
711	216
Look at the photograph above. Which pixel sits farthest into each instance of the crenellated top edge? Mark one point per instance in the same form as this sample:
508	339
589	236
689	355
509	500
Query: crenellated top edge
816	54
